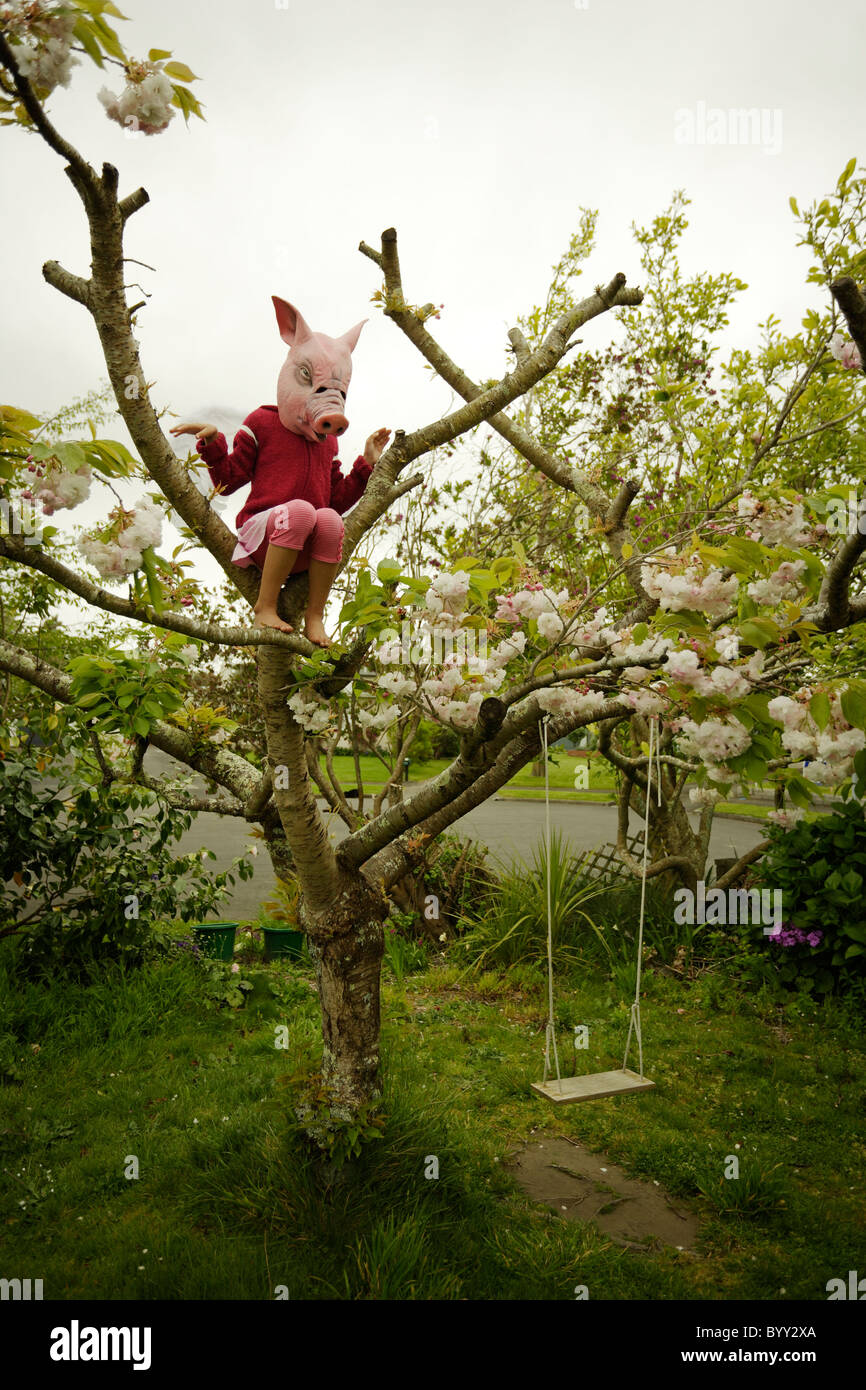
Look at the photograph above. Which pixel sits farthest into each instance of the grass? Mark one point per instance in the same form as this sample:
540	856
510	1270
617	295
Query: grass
525	786
227	1202
561	772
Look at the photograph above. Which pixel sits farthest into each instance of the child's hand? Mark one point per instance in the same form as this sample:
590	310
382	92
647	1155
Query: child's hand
375	446
203	432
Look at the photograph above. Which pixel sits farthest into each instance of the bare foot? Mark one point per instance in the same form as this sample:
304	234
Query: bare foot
268	617
315	630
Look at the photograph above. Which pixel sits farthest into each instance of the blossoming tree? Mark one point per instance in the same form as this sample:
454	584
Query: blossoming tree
696	630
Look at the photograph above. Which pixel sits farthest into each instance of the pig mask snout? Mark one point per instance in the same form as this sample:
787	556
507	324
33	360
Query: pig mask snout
312	386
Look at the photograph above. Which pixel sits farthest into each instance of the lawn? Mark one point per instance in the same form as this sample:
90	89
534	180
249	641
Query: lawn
561	772
146	1149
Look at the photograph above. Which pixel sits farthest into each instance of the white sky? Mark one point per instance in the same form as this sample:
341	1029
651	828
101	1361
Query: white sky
477	129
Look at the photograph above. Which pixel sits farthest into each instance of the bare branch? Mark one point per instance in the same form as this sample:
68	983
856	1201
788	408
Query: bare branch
73	286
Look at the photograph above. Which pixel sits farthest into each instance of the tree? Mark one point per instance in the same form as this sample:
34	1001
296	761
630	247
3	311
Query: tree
681	614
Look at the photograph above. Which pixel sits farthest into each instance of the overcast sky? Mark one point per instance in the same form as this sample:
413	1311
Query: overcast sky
477	129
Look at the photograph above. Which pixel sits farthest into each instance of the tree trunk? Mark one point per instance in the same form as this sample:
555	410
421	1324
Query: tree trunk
670	833
347	943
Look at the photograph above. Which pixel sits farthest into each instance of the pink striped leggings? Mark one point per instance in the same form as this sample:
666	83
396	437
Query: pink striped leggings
297	525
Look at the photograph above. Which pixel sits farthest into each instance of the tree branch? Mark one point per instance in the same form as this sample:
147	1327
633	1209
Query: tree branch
852	301
73	286
35	558
226	769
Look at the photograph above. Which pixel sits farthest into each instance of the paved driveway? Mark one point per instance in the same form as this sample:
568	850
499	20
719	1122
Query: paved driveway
511	829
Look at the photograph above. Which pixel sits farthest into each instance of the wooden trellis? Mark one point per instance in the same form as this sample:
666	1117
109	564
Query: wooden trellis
603	863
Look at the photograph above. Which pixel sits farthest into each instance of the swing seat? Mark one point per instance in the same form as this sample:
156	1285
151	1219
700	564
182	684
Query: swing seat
592	1086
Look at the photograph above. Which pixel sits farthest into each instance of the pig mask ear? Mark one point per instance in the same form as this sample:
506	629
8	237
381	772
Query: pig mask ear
291	322
351	338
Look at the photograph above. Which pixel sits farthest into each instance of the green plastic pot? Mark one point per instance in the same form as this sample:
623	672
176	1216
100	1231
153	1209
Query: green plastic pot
283	941
216	939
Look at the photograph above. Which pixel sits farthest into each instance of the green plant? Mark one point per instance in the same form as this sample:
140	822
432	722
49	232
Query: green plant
404	953
509	924
114	692
753	1193
223	984
820	869
340	1139
283	905
89	871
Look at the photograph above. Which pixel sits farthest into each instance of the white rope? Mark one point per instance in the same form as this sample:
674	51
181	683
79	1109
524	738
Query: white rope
550	1032
634	1019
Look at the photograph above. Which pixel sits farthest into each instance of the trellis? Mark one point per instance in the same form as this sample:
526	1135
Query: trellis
603	863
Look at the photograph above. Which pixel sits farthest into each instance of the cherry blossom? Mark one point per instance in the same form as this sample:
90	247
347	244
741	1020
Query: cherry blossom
786	819
41	38
58	487
845	352
146	101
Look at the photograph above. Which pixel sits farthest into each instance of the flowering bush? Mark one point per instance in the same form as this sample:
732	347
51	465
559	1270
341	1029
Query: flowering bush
820	868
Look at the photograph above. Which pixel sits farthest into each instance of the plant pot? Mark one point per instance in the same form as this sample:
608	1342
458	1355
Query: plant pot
283	941
216	939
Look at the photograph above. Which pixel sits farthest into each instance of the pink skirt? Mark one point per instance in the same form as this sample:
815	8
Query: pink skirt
259	530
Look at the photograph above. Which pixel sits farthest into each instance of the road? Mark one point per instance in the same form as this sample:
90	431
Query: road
510	829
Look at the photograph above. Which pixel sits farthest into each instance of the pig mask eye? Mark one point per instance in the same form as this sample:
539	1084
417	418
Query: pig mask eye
305	375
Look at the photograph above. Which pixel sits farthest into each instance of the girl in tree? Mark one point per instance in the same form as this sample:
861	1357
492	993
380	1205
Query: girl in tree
291	520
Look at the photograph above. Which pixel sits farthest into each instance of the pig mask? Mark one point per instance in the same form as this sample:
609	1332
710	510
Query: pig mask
312	386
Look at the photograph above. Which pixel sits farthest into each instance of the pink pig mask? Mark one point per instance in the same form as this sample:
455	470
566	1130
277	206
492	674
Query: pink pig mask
312	385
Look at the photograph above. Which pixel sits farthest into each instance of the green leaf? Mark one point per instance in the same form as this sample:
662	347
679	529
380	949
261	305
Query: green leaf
388	571
853	702
819	707
799	792
141	726
108	38
83	32
759	632
18	419
154	588
71	455
181	72
184	100
156	55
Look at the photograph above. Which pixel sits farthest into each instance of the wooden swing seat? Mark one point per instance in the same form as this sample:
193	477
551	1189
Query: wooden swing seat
592	1086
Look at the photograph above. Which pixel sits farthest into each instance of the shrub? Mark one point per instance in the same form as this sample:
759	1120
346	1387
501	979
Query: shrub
820	868
88	870
508	925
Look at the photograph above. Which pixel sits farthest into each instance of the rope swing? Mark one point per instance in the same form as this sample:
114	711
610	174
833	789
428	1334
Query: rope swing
604	1083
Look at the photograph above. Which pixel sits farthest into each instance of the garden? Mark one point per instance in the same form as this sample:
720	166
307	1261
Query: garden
627	579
